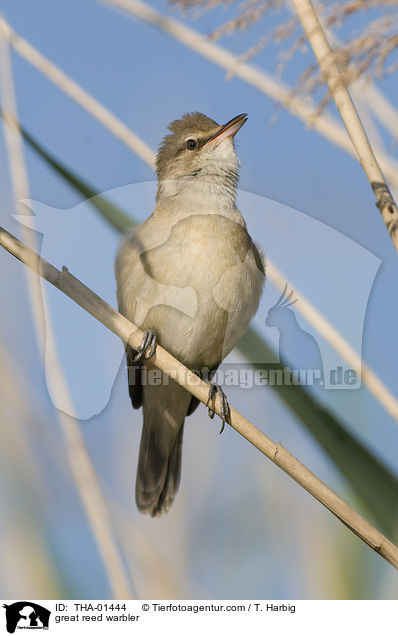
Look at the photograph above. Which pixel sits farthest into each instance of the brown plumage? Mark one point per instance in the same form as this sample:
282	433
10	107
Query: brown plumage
191	123
192	274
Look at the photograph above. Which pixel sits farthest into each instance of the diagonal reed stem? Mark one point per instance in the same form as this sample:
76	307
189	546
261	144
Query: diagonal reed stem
81	467
78	94
130	334
266	83
262	82
339	91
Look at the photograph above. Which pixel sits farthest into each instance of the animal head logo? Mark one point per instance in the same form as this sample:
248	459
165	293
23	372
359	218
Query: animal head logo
26	615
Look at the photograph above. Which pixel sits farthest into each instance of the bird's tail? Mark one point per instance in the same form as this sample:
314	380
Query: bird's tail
159	463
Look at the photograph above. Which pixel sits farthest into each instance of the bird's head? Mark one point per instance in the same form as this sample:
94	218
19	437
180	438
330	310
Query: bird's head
198	150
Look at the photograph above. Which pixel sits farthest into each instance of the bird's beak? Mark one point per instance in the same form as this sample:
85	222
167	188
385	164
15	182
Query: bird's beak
228	130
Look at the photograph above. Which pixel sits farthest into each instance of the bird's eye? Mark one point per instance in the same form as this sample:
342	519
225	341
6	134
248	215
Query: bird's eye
191	144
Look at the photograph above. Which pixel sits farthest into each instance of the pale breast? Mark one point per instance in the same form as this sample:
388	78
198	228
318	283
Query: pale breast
201	286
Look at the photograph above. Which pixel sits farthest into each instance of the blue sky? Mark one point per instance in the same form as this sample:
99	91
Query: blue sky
147	80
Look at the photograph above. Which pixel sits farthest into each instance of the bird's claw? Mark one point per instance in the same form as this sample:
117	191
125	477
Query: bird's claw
225	414
147	347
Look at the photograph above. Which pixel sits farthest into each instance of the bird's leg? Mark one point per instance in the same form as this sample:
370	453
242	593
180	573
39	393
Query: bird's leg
147	347
225	414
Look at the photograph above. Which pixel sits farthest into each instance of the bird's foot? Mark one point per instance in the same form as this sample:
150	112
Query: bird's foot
147	347
225	414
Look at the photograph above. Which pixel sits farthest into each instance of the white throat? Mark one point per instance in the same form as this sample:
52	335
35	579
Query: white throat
212	186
